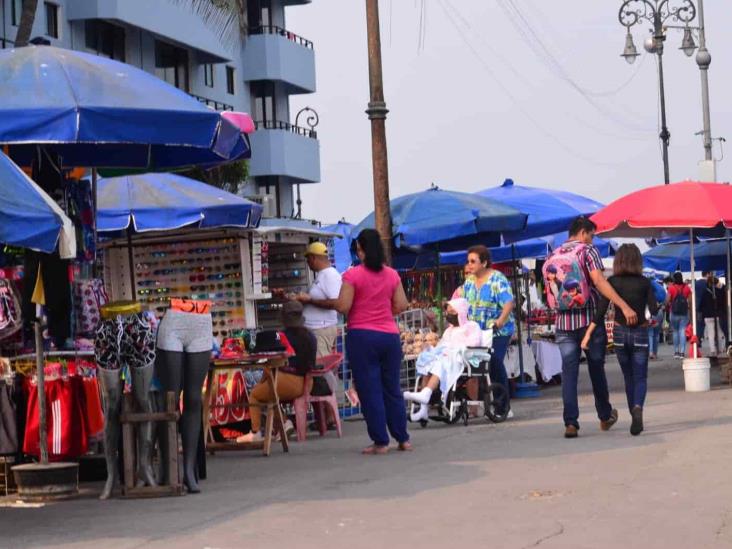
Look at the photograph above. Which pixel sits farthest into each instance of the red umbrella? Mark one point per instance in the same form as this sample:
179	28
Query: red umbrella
669	209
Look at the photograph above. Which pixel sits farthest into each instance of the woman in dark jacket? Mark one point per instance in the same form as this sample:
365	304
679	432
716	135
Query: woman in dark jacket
630	342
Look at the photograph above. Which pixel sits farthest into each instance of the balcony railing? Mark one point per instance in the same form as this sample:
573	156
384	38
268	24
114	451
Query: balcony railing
217	105
273	29
279	125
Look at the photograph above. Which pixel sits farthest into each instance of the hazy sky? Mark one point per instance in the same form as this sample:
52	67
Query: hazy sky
473	99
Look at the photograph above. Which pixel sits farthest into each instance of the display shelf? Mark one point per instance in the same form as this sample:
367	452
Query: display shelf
215	269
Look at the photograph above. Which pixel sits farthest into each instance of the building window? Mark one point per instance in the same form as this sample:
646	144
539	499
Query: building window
208	75
231	90
16	8
259	13
105	39
171	65
264	103
51	20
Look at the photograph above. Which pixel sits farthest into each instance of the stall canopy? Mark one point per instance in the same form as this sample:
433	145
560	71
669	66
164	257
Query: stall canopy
29	218
447	219
709	255
163	201
341	246
96	112
549	211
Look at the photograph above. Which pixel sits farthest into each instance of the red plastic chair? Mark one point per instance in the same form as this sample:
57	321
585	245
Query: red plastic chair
301	404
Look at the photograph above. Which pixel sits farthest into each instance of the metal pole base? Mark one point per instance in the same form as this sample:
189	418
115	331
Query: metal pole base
527	390
46	482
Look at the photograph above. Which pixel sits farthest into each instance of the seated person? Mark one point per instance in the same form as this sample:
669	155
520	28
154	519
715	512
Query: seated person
291	379
443	364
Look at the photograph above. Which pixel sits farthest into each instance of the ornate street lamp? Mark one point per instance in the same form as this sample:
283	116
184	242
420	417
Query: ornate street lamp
657	12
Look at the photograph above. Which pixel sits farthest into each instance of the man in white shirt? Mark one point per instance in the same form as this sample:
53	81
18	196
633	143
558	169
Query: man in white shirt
320	316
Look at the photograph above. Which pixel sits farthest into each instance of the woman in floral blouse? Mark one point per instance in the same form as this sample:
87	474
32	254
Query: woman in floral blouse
491	305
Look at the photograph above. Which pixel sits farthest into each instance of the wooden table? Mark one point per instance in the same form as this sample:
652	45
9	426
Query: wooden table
275	418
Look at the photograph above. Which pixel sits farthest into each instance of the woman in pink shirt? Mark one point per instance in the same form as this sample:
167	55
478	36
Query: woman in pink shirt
371	295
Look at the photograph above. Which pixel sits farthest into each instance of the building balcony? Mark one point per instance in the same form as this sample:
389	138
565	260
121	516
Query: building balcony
284	150
273	53
171	21
216	105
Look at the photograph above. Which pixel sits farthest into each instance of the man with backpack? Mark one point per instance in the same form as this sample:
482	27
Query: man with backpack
574	276
679	298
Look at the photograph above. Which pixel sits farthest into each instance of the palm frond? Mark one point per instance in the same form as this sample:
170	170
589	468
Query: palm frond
227	18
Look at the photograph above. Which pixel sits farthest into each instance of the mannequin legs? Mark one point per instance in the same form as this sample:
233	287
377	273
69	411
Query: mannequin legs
111	386
141	381
186	371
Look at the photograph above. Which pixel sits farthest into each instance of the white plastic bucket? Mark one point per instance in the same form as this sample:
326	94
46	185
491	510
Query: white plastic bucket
696	374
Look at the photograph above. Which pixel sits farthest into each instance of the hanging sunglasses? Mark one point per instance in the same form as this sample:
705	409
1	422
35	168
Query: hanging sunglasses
197	278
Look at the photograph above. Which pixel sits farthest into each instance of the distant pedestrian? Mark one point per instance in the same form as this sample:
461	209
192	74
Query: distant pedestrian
578	263
631	343
655	323
370	296
712	311
679	298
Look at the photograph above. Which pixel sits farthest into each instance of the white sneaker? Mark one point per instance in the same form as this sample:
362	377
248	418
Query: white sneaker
420	415
423	396
509	415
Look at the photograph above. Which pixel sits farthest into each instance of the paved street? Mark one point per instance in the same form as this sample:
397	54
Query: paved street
515	485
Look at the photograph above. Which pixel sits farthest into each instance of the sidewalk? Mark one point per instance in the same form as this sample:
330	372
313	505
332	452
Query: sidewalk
515	485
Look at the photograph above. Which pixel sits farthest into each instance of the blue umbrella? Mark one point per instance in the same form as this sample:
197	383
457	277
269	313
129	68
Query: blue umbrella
97	112
447	219
163	201
532	248
341	246
549	211
29	218
709	255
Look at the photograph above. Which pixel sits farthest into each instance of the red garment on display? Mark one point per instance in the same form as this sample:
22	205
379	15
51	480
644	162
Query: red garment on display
65	417
232	390
92	408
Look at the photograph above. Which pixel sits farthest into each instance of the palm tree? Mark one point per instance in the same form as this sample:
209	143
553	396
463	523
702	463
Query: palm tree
25	26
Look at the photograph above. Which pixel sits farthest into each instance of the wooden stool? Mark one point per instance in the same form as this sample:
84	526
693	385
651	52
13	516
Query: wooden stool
7	479
128	419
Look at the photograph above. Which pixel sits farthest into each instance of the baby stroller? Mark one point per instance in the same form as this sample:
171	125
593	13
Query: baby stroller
493	396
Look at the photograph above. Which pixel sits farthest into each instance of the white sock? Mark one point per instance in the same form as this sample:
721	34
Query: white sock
423	396
421	414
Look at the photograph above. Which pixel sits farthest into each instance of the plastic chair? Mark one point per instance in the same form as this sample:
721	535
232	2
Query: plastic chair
301	404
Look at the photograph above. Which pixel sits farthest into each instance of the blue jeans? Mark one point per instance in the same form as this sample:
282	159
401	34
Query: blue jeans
631	348
569	347
497	368
678	325
376	359
654	333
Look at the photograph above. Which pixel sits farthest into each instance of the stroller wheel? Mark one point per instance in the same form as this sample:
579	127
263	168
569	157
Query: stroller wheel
495	400
466	413
423	423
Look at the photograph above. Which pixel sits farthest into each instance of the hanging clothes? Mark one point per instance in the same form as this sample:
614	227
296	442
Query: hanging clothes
57	286
8	419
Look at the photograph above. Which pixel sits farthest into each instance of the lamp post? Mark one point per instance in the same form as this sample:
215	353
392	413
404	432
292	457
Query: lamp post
377	114
657	12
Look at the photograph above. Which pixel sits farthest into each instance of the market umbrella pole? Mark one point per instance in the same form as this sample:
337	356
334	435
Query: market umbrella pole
439	292
43	428
517	300
131	261
729	289
693	294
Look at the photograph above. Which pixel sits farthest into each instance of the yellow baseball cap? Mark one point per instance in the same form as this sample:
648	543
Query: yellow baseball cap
317	248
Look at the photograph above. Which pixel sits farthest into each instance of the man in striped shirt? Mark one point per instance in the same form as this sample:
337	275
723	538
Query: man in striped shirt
571	326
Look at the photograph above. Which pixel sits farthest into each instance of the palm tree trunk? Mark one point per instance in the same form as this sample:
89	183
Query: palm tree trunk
25	27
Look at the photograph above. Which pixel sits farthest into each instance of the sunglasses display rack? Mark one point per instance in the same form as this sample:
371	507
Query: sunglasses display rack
284	271
215	269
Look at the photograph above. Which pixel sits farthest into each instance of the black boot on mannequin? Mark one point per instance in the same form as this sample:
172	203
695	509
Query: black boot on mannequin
187	371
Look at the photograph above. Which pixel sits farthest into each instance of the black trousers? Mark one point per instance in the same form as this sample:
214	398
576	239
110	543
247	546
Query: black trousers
55	273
